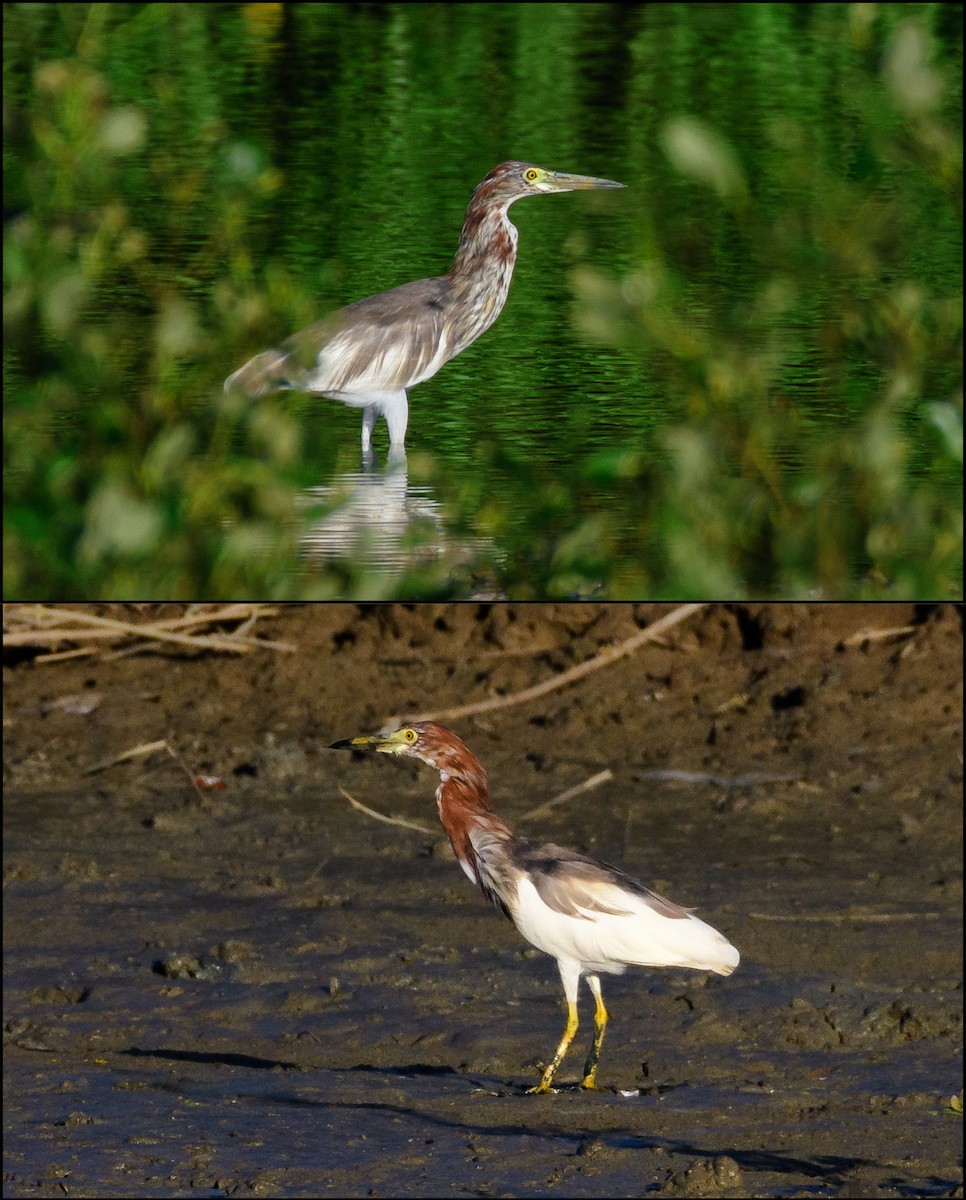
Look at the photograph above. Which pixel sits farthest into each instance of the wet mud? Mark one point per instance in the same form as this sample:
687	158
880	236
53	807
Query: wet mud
260	990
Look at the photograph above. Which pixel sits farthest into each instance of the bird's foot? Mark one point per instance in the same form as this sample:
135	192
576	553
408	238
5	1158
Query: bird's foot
589	1083
540	1089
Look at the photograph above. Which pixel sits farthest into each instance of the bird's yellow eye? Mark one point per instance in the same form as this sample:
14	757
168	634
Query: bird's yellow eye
410	735
531	176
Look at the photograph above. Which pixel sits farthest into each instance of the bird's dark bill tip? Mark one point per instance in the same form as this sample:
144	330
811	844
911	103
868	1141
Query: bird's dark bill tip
344	744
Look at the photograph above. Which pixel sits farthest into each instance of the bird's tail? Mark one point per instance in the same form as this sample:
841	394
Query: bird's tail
266	372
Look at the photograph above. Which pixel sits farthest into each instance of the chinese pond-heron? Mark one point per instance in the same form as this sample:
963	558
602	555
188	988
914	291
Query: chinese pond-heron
591	917
370	353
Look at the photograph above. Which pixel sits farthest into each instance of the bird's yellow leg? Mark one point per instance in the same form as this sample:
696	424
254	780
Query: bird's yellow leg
568	1037
600	1024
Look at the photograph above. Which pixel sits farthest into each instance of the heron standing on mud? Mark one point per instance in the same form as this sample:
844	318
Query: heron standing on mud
592	918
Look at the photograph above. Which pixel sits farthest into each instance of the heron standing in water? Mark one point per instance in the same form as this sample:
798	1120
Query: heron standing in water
592	918
370	353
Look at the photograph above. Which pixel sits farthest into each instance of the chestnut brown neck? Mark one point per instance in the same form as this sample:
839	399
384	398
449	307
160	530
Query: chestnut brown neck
464	805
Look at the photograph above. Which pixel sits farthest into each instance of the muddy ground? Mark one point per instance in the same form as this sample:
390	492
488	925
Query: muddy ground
263	991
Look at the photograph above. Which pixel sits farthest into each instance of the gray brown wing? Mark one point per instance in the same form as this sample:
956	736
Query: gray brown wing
383	343
575	884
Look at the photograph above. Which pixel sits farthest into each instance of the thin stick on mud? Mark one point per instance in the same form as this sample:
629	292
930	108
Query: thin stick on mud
671	775
542	809
43	625
201	783
845	918
140	751
378	816
878	635
607	656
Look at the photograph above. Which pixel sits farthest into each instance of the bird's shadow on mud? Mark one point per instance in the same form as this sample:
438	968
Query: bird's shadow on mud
483	1088
203	1058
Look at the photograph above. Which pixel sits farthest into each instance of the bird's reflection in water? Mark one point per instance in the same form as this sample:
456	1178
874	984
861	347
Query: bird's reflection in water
382	524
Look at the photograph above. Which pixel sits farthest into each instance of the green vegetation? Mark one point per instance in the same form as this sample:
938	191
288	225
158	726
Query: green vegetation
840	476
121	479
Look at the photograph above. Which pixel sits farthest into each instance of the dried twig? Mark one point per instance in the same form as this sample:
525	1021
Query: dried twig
669	775
844	918
606	656
377	816
62	655
878	635
42	625
126	756
542	809
201	783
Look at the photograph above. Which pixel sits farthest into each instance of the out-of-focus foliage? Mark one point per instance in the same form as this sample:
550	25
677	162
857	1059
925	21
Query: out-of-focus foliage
854	492
124	476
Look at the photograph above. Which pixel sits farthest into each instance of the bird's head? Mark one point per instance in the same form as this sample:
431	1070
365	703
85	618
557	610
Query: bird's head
426	740
513	180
